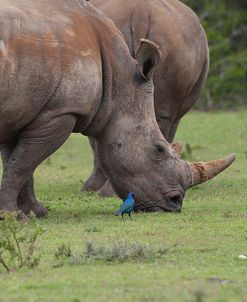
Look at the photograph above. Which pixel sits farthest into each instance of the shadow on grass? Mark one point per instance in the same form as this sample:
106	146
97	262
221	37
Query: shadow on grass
67	203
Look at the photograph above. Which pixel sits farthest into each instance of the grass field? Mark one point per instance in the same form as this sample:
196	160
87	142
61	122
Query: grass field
204	241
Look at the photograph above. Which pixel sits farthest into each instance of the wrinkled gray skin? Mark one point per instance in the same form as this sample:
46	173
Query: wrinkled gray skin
183	65
66	68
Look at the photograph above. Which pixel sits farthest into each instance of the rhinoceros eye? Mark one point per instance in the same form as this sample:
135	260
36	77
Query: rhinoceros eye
159	152
159	149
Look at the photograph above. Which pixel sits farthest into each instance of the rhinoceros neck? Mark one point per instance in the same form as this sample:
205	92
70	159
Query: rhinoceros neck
116	62
104	110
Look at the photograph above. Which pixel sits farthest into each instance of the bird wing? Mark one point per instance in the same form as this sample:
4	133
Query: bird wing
128	205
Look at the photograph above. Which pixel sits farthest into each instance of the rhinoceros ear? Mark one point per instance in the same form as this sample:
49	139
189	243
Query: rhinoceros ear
147	57
178	148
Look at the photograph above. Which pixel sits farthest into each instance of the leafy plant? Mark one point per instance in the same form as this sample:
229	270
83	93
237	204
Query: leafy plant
62	254
117	252
17	243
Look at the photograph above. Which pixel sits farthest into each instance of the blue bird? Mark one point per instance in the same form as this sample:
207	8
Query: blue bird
127	206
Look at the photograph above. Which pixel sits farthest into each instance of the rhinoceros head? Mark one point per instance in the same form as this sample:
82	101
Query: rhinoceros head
133	152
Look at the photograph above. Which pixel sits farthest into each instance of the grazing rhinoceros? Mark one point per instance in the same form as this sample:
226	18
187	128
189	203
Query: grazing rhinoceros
66	68
183	65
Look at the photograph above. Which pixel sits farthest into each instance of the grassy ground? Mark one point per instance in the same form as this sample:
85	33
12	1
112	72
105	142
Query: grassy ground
205	239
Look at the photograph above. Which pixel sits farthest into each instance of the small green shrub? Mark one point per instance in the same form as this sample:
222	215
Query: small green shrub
92	229
17	243
62	254
118	252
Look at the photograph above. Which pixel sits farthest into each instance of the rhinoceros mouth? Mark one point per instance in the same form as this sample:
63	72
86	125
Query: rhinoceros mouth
171	209
157	208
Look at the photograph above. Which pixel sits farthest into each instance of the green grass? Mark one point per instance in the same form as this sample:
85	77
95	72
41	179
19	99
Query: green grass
205	239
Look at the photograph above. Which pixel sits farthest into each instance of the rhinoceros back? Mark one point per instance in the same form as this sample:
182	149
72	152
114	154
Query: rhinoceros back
46	49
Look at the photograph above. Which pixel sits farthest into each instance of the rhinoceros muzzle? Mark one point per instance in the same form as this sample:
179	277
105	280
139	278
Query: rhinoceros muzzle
170	204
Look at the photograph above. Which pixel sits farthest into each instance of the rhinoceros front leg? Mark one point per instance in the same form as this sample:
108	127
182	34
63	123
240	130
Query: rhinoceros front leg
6	151
35	143
26	200
167	127
97	182
97	178
172	132
107	190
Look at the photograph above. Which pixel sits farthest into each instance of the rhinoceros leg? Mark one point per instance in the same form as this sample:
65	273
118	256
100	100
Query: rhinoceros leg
6	151
97	178
107	190
172	132
35	143
26	200
97	181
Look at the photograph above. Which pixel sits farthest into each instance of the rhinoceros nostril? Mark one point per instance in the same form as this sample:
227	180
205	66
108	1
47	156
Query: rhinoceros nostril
176	201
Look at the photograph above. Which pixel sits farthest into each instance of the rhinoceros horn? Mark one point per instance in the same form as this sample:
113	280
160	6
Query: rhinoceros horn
203	171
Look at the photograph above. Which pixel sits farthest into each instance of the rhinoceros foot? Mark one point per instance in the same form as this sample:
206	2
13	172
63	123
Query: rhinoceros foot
27	206
107	190
9	208
94	182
